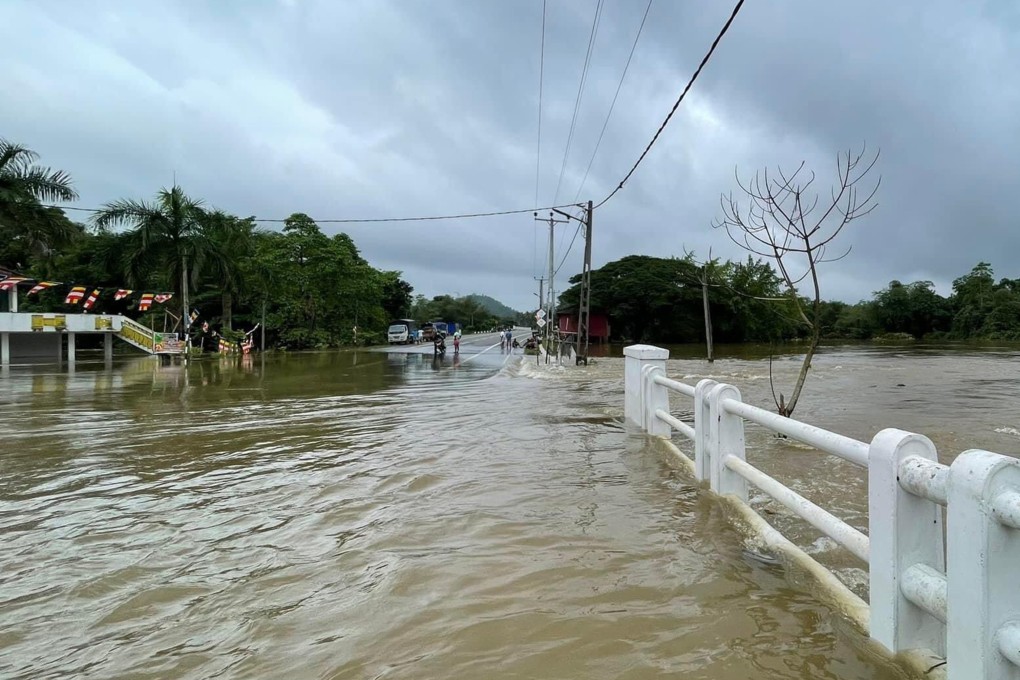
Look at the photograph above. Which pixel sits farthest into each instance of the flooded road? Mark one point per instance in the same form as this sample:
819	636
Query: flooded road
386	515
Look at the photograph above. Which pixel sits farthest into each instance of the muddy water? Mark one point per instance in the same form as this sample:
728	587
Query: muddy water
370	515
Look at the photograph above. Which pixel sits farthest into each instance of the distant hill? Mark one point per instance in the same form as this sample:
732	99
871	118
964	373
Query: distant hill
493	306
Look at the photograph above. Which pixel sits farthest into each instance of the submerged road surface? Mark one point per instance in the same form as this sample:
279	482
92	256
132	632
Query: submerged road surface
385	515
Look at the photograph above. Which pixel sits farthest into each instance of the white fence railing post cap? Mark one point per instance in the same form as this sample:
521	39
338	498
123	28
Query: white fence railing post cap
973	469
904	531
983	598
646	352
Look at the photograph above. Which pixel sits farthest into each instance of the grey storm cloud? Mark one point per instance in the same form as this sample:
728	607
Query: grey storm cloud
374	108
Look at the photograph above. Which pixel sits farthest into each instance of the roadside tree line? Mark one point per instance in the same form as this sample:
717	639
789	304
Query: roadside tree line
654	299
313	290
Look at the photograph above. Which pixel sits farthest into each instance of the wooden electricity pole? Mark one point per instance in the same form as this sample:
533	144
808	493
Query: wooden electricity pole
708	312
584	307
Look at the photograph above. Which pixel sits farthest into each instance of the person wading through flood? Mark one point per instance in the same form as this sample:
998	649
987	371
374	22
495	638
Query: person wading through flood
456	342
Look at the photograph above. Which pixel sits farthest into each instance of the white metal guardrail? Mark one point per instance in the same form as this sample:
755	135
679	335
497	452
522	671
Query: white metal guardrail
954	593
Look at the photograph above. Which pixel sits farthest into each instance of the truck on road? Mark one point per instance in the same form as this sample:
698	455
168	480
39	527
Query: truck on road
402	332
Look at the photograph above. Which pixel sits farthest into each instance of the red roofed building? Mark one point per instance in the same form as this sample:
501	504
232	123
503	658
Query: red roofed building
598	323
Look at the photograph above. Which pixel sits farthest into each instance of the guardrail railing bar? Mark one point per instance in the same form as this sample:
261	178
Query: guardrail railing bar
674	385
1008	640
838	445
926	588
677	424
925	478
847	536
1005	508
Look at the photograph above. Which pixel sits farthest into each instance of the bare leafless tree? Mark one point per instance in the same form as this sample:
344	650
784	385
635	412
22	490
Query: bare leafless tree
787	222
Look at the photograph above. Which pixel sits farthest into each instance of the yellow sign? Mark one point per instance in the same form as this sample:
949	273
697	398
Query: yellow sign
41	322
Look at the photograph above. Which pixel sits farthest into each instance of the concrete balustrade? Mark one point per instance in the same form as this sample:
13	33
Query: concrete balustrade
957	597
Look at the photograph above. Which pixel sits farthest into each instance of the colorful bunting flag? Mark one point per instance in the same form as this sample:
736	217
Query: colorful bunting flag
145	302
122	293
91	301
42	285
162	297
75	296
11	282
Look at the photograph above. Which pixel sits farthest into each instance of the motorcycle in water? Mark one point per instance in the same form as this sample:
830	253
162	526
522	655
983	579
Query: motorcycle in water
439	346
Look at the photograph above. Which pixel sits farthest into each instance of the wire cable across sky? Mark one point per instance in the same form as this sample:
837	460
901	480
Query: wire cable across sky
613	104
472	215
428	218
580	94
687	88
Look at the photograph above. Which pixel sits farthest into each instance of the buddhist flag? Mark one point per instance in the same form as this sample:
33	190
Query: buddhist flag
194	315
12	282
145	302
122	293
205	326
91	301
75	296
162	297
42	285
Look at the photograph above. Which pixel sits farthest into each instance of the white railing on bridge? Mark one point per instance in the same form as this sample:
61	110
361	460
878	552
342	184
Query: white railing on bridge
955	593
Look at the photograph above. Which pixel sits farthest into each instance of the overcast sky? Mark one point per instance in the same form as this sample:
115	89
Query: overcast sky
386	108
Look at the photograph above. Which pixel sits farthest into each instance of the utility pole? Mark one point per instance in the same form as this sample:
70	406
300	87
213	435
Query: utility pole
708	313
263	325
584	307
551	308
541	291
186	315
584	302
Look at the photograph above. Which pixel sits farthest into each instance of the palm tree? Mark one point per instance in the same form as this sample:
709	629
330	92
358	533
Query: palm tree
170	236
233	244
23	187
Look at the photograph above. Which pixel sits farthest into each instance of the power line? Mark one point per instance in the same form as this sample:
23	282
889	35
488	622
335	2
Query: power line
372	220
683	94
541	78
576	232
615	96
538	150
580	93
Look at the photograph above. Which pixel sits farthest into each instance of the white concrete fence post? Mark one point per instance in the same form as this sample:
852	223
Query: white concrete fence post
726	438
983	593
905	530
702	421
655	397
637	357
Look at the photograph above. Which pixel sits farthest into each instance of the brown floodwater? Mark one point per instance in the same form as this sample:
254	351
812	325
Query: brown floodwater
384	515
